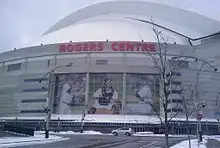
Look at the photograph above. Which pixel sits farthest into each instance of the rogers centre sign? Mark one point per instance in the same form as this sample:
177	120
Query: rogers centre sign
107	46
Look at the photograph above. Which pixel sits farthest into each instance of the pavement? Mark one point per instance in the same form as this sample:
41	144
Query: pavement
108	141
212	143
8	134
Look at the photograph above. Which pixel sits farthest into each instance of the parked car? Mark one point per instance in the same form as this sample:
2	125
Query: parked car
123	131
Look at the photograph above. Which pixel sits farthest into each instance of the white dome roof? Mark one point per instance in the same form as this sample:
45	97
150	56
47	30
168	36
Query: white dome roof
112	30
83	25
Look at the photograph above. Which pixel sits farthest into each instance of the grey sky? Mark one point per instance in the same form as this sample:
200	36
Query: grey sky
23	21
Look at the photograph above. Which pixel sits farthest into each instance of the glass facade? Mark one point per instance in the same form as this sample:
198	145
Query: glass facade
142	91
105	93
69	93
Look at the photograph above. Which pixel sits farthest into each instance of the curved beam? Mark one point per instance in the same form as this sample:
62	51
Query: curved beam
180	34
176	16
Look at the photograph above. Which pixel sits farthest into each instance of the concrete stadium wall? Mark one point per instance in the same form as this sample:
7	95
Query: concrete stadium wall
19	85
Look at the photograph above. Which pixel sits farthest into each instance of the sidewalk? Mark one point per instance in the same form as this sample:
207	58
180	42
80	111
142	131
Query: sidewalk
7	134
22	141
212	143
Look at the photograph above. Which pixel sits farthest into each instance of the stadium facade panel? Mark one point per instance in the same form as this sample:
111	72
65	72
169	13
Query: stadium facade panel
105	77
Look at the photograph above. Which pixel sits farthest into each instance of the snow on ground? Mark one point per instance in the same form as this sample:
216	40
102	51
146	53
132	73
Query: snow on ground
75	133
156	135
23	141
96	118
105	118
140	134
216	137
194	144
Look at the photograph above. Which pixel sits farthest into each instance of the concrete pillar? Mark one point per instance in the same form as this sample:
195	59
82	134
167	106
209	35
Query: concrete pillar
124	95
26	65
87	89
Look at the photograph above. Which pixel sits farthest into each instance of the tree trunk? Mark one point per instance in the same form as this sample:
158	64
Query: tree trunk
166	132
187	123
188	129
167	136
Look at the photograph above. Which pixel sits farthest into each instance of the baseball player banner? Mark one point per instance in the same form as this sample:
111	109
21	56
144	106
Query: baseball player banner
105	94
141	92
69	93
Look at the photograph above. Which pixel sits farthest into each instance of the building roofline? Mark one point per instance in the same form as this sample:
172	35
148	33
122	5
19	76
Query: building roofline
145	9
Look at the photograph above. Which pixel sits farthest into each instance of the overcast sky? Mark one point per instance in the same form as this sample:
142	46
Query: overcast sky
23	21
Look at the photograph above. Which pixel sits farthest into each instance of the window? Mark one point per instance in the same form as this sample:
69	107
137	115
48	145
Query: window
14	67
175	92
33	100
33	111
101	62
48	63
175	101
179	63
174	110
35	79
168	110
124	128
174	74
177	110
176	82
35	90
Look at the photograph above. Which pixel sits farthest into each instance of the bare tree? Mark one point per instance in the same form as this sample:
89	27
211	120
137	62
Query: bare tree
165	69
188	106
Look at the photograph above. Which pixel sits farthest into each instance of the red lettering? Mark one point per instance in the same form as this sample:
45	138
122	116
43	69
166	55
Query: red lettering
122	46
62	48
152	47
129	47
114	46
138	45
78	47
100	47
145	47
85	47
148	47
70	48
92	47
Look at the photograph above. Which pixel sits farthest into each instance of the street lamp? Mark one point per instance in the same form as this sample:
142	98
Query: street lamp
49	104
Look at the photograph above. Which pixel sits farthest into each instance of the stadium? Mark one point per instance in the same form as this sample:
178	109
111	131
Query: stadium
96	62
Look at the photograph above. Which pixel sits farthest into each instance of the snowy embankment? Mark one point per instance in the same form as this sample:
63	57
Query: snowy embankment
139	134
194	143
106	118
23	141
74	133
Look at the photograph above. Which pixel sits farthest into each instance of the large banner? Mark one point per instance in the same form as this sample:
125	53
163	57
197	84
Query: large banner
141	93
105	94
70	93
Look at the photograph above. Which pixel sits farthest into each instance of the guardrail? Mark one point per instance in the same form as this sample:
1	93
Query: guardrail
19	130
176	127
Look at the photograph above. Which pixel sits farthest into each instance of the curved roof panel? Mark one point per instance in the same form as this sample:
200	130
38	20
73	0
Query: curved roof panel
109	29
199	24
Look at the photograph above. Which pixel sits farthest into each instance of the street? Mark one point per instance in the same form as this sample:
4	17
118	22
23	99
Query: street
107	141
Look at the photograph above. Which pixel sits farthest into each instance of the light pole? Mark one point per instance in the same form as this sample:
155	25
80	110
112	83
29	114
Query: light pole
199	106
217	111
199	109
83	118
50	98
